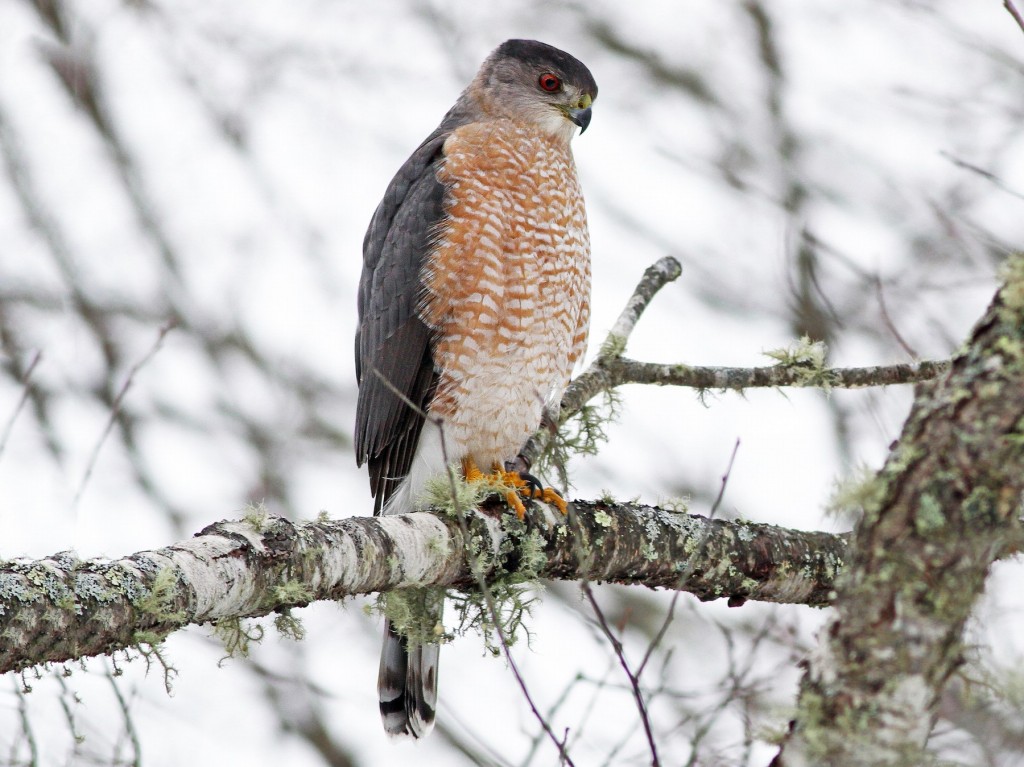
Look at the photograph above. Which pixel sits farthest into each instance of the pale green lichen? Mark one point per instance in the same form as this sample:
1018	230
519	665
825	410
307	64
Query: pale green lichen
256	515
288	625
14	588
532	558
50	583
928	516
744	533
416	614
613	346
582	434
450	493
236	636
1011	273
676	504
648	551
603	518
807	359
436	546
1011	348
857	493
292	593
150	646
126	582
159	601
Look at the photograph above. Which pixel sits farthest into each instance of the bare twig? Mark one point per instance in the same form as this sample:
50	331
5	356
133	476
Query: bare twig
129	726
986	174
68	699
655	277
634	679
887	319
25	391
26	735
1015	12
115	410
611	369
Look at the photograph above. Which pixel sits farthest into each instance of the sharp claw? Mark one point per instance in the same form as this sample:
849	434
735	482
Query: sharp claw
512	499
532	485
520	484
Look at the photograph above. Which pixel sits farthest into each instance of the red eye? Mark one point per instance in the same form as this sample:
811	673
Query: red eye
548	82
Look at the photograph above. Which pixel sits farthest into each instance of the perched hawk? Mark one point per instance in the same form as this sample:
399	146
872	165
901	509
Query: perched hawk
473	303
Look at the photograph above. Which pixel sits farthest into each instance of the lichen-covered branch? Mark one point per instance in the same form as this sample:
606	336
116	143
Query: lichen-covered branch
942	509
61	608
619	371
803	366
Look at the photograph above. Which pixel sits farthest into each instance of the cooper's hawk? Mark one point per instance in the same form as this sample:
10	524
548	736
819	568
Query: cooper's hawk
473	303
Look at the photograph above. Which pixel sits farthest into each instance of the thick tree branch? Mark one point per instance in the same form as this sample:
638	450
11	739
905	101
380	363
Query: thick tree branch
61	608
942	509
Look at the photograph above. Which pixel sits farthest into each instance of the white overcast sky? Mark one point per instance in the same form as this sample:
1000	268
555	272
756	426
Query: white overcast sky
328	99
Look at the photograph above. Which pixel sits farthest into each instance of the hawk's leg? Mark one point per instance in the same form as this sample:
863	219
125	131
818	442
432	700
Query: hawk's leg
517	481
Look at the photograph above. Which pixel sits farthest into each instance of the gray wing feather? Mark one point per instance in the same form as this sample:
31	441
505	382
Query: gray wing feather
392	343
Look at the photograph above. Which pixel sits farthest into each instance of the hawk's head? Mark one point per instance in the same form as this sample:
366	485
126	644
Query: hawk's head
536	83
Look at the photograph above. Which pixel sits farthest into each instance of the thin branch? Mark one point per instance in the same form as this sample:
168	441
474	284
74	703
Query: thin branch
611	370
26	735
634	679
115	410
887	319
656	276
986	174
25	392
619	371
1015	12
129	725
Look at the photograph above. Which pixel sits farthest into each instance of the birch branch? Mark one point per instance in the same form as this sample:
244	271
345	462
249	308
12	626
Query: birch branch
61	608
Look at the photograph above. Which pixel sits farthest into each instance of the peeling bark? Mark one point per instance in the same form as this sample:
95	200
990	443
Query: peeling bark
61	608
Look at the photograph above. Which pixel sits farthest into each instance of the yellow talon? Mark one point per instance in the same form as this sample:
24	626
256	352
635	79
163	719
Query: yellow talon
512	499
550	496
470	471
517	486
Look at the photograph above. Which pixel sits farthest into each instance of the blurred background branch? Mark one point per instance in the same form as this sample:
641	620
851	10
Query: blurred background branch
848	172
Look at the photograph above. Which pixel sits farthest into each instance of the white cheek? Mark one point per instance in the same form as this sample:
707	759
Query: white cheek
557	125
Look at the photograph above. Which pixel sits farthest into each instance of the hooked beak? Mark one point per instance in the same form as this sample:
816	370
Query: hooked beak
581	117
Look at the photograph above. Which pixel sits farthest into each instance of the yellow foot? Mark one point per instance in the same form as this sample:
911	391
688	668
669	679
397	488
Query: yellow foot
516	487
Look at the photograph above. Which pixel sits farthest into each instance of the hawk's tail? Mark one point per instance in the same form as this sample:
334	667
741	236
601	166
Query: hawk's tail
407	685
